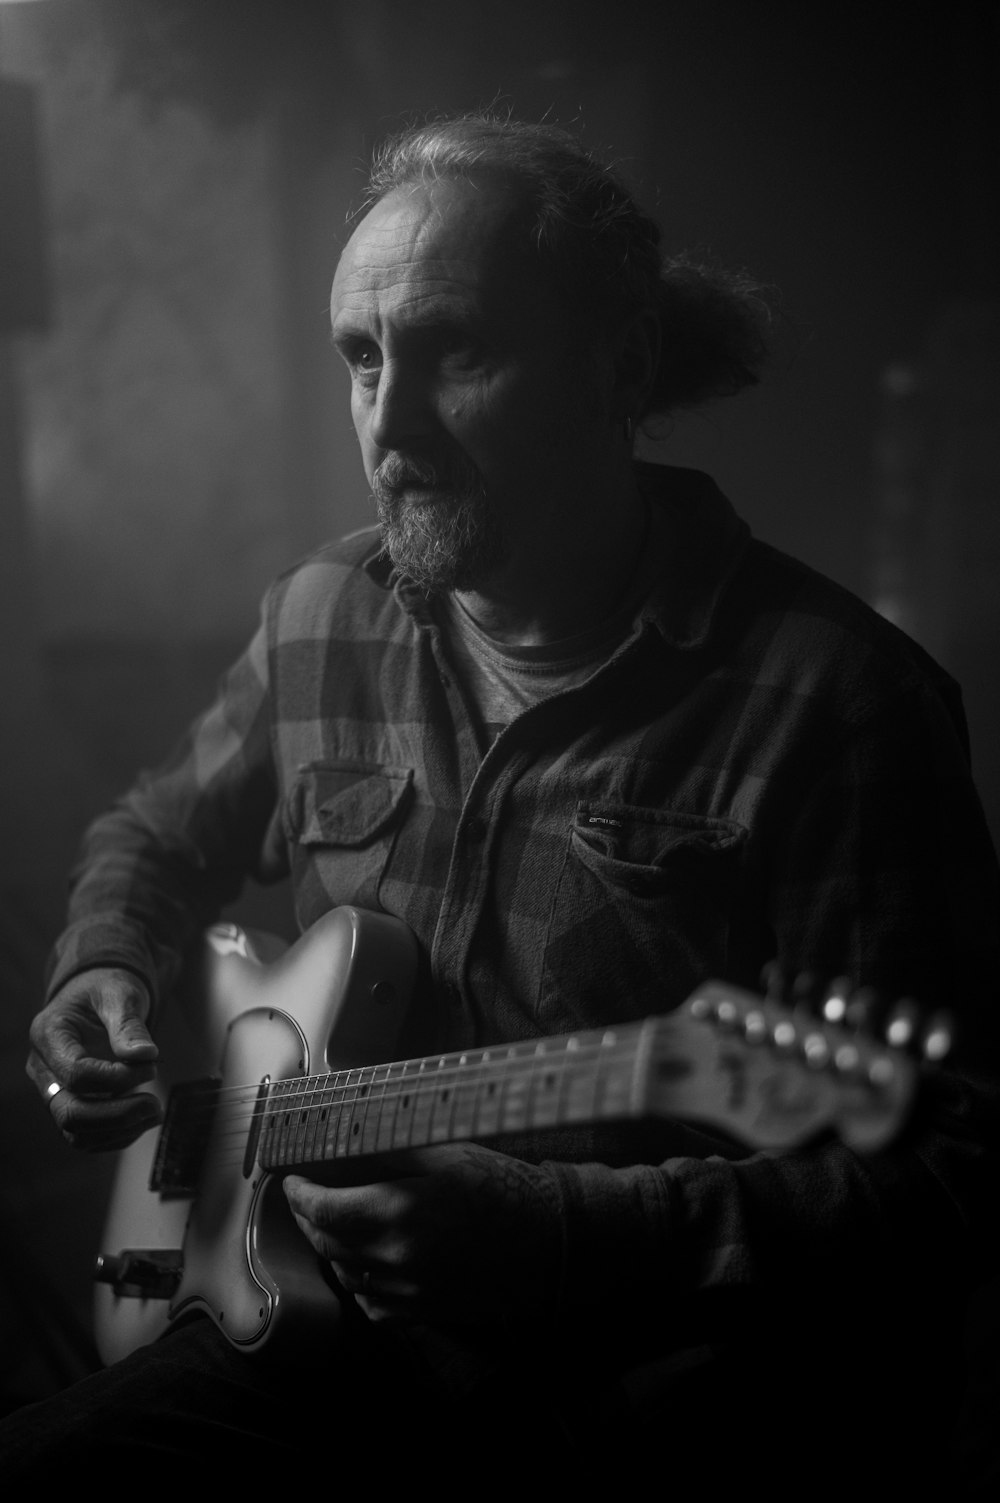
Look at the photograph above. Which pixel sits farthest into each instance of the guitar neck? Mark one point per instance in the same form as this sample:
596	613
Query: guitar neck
588	1077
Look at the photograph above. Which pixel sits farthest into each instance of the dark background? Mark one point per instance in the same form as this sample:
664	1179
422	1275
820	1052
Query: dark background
174	181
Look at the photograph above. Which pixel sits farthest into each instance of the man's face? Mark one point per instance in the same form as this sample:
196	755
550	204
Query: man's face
467	394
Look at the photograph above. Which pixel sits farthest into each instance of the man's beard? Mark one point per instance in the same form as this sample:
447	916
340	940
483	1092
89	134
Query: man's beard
450	540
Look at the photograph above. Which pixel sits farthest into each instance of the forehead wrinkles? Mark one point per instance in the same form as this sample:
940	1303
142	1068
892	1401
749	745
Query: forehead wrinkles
447	242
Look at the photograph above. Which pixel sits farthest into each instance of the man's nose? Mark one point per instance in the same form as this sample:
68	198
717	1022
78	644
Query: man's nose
403	407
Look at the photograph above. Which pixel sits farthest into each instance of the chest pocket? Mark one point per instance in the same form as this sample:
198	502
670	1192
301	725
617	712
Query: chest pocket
646	852
641	912
341	822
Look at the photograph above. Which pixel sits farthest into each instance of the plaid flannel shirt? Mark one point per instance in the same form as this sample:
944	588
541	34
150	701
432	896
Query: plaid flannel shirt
764	769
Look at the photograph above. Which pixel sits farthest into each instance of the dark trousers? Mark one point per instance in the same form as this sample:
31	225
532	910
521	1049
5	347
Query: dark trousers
191	1403
191	1407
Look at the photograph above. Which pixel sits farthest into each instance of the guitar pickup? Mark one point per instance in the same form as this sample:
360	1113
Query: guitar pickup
183	1136
141	1273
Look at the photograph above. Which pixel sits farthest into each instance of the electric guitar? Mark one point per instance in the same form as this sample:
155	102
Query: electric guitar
269	1068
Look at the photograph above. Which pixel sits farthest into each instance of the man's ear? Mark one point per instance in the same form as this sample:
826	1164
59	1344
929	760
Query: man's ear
636	358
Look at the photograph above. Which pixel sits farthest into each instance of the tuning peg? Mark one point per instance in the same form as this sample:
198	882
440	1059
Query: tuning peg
756	1029
835	1002
938	1037
816	1048
902	1024
727	1013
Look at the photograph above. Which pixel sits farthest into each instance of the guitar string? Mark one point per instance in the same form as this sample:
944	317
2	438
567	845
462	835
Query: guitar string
334	1095
439	1071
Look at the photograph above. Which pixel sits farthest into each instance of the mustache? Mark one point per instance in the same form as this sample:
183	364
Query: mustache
400	472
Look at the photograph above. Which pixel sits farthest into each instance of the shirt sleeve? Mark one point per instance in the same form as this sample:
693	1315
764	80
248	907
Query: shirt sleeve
166	858
881	868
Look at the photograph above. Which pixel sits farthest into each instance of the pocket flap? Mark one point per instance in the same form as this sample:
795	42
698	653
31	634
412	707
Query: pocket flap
647	851
348	804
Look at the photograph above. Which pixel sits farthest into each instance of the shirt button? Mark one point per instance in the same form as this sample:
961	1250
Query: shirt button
475	830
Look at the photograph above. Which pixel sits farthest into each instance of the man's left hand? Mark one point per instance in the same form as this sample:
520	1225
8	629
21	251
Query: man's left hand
459	1234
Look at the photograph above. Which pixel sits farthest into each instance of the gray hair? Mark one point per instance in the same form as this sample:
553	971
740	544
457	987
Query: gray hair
603	250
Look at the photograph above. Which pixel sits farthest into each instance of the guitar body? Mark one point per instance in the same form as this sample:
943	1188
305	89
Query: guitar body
249	1011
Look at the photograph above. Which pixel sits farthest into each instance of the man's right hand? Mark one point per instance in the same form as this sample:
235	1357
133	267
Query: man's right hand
91	1041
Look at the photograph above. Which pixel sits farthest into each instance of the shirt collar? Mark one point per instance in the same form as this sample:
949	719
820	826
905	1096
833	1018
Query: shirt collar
702	543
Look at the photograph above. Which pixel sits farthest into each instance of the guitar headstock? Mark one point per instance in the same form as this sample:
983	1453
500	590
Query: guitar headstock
776	1075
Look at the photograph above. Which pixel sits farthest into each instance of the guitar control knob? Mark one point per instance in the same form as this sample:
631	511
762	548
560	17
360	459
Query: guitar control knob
107	1268
146	1273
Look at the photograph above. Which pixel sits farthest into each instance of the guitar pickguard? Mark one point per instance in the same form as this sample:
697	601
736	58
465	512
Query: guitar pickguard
224	1274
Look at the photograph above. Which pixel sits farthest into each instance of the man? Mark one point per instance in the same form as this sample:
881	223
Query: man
593	745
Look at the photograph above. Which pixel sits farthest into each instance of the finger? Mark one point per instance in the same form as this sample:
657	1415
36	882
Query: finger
122	1007
312	1215
92	1035
38	1071
350	1211
303	1196
381	1297
97	1079
353	1277
105	1125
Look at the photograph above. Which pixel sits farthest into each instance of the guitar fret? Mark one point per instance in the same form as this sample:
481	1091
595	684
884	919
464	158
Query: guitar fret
373	1109
580	1096
299	1122
287	1124
466	1092
488	1098
442	1105
389	1108
614	1091
314	1118
437	1104
265	1153
423	1104
329	1118
360	1114
345	1128
513	1096
546	1074
402	1127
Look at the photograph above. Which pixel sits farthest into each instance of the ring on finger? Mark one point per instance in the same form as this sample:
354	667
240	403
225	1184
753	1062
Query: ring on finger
52	1090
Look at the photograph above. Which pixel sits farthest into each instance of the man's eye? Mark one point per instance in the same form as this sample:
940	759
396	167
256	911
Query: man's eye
363	358
460	352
